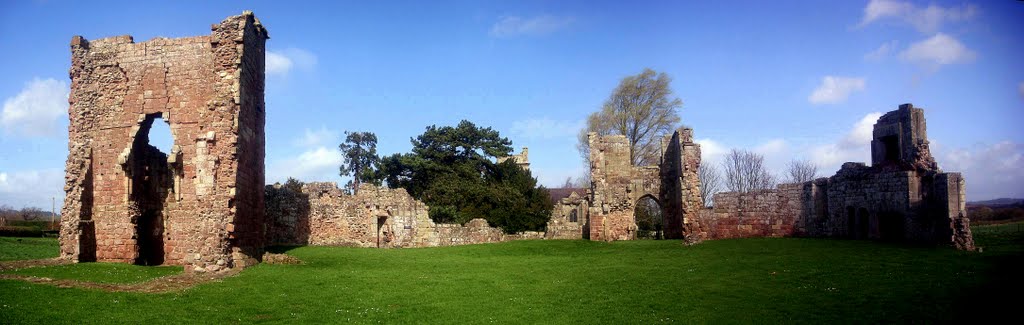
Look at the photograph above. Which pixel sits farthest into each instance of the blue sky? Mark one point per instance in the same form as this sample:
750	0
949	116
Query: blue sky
788	79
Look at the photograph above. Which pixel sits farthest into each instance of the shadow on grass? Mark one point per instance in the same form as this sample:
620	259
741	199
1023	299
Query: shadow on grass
282	249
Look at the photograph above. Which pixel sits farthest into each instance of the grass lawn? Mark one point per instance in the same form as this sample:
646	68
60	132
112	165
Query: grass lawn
766	280
28	248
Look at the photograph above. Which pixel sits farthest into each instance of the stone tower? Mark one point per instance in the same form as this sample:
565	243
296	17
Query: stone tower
199	205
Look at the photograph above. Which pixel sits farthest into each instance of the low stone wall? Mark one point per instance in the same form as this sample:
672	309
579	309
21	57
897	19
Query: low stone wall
767	213
322	214
859	202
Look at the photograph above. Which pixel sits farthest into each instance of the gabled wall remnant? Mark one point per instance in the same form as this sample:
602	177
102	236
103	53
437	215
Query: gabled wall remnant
617	185
568	214
902	196
200	205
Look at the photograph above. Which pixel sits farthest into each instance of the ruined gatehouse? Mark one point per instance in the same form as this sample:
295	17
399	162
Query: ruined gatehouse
617	186
201	204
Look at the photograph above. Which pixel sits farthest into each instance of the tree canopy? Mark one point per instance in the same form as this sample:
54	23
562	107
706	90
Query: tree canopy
643	108
452	170
359	152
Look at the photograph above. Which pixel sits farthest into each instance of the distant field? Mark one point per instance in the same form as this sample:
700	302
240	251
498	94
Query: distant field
27	248
768	280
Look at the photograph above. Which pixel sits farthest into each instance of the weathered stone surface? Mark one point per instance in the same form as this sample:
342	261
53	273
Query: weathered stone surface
903	196
617	186
201	205
323	214
522	159
568	215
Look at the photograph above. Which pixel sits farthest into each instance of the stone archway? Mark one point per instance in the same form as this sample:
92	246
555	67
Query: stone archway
649	217
617	185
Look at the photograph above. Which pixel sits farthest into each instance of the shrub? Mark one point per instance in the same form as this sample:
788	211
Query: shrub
20	231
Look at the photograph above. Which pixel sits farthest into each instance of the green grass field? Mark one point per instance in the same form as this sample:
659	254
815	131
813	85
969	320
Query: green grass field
728	281
27	248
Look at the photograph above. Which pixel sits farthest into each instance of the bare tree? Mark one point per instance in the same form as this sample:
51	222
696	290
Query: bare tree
31	213
745	172
710	183
802	171
643	109
568	183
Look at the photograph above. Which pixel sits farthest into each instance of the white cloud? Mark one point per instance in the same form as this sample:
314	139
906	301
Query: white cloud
989	171
319	159
277	63
776	153
32	188
882	51
545	128
318	138
281	62
927	19
511	26
938	50
711	151
835	90
854	146
772	147
317	164
35	110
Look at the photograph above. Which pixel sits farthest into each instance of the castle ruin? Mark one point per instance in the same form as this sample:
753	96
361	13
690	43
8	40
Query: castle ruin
199	205
204	204
902	196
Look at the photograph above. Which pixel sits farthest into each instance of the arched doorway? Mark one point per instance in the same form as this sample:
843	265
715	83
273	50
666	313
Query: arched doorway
151	183
649	218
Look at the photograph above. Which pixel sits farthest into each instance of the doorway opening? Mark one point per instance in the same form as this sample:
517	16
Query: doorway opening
649	218
151	182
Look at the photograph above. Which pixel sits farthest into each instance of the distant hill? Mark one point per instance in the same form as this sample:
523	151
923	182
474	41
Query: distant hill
996	202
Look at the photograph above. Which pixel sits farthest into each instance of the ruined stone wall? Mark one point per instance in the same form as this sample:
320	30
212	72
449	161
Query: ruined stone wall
617	185
766	213
522	159
192	206
903	196
322	214
568	218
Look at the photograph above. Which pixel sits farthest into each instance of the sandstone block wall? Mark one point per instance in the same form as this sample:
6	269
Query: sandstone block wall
903	196
322	214
199	205
569	216
617	185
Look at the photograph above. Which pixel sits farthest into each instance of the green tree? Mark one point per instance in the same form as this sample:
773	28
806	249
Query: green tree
643	108
359	152
452	170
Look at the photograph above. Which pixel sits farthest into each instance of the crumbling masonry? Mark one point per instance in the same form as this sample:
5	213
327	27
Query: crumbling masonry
617	186
902	196
319	213
200	205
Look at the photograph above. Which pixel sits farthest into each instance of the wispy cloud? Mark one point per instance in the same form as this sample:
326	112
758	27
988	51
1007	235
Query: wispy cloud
924	19
938	50
511	26
35	110
318	138
1020	88
882	51
283	61
546	128
853	146
32	188
991	171
318	160
834	90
